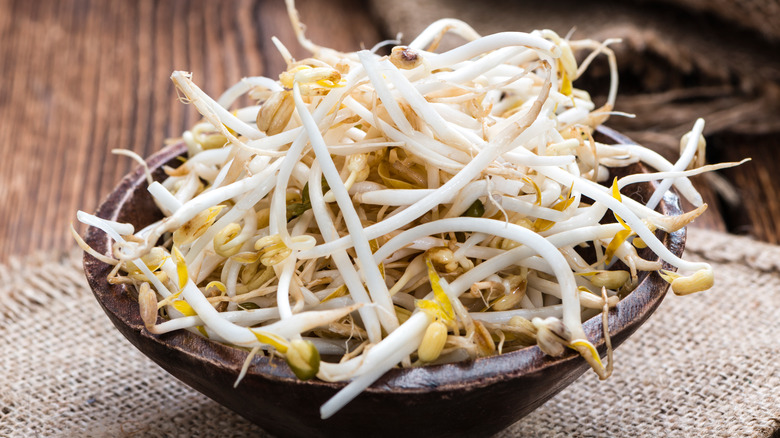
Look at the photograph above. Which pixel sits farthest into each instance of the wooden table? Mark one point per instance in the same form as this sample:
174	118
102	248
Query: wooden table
80	78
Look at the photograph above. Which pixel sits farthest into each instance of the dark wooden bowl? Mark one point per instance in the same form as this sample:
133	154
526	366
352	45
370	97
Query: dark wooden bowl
473	398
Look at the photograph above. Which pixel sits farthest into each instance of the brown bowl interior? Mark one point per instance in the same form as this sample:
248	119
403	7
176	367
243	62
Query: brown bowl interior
473	398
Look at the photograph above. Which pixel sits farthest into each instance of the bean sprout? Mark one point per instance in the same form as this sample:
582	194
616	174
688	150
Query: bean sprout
372	211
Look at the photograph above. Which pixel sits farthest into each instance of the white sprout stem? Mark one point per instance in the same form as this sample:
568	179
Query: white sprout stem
567	178
361	147
595	192
305	321
384	43
459	119
243	336
371	66
537	286
460	179
340	258
398	197
230	280
283	288
114	229
376	284
685	159
421	106
278	217
434	152
511	231
431	32
264	183
532	210
243	86
383	356
208	314
138	159
202	202
209	157
392	197
165	200
274	142
583	217
245	317
189	188
503	317
658	162
415	210
472	240
472	70
520	254
466	196
278	201
207	106
493	42
598	194
248	114
536	161
653	176
419	321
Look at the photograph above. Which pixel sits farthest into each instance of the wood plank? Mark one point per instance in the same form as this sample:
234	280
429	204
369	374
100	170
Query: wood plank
83	77
757	183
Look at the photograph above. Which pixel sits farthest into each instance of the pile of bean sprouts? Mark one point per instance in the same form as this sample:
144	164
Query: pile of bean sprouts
368	211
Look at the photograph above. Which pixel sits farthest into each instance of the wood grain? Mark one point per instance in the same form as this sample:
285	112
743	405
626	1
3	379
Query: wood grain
80	78
757	184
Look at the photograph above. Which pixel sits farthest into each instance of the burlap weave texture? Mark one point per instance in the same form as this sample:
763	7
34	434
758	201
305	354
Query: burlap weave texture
703	365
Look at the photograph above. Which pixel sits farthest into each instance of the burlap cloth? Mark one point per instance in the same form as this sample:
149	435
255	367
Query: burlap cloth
703	365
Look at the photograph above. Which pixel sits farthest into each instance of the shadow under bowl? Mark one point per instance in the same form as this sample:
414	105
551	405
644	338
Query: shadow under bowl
472	398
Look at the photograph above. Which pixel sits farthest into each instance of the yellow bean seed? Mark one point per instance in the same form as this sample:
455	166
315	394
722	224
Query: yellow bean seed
699	281
433	342
147	301
303	359
483	340
275	113
405	58
610	279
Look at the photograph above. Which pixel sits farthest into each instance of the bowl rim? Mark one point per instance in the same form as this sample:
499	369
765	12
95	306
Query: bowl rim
624	319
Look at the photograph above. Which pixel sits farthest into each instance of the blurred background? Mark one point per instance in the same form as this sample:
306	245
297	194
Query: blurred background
80	78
